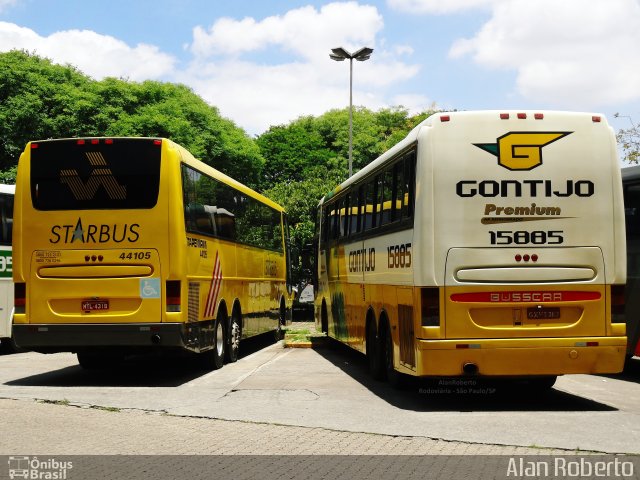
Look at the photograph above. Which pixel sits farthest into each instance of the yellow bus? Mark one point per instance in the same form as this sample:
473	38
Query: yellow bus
485	243
7	344
126	245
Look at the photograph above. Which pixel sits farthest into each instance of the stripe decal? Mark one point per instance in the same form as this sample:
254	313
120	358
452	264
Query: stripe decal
214	289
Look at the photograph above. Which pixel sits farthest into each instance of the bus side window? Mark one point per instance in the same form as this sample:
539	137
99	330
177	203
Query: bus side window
326	224
346	216
188	200
386	185
370	205
203	219
409	184
342	220
334	218
360	210
398	191
6	210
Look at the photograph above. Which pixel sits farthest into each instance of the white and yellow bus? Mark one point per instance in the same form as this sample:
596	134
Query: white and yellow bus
125	245
6	265
485	243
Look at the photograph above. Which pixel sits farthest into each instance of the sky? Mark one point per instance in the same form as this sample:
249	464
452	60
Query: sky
266	62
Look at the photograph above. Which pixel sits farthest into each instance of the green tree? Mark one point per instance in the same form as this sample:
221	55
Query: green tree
40	100
629	140
292	150
37	101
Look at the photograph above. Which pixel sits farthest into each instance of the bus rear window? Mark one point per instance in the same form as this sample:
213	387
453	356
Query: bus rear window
73	174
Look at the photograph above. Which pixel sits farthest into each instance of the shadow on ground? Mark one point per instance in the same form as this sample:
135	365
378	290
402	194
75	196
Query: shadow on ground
631	372
464	394
152	370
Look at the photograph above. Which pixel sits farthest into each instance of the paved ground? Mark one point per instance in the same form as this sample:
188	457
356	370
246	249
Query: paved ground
298	401
42	428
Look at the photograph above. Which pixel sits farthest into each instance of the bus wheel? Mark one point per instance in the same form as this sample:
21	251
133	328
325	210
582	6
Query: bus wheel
282	312
373	353
394	377
233	339
8	346
324	319
213	359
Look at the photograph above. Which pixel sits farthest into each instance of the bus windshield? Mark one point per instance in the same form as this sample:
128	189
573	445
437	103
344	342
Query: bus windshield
79	175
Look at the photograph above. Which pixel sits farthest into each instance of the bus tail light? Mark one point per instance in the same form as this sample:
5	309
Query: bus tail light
173	295
19	297
430	306
617	304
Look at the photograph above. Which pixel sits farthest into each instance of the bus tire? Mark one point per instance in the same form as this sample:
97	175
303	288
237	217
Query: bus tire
233	338
324	319
213	359
8	346
373	352
394	377
282	320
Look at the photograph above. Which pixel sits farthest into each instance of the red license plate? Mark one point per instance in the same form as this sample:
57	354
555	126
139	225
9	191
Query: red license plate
94	305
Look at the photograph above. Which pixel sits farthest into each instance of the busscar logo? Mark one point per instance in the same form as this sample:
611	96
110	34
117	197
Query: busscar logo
521	150
101	175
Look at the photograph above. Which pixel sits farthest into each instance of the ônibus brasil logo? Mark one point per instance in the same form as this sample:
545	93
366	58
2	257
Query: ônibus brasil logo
521	150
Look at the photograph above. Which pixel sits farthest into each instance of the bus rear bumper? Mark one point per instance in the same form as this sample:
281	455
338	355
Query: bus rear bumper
520	357
73	337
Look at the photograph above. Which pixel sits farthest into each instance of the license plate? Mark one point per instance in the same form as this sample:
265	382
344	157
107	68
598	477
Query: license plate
544	313
94	305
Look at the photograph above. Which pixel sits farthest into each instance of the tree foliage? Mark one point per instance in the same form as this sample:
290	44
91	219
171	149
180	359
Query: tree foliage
40	100
629	141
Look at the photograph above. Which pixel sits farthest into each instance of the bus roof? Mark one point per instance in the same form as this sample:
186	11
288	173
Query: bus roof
446	117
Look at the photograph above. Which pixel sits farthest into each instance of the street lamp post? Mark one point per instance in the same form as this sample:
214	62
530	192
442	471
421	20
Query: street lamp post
339	55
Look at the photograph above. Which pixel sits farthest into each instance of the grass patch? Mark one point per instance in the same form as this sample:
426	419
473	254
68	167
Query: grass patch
64	402
106	409
303	336
297	336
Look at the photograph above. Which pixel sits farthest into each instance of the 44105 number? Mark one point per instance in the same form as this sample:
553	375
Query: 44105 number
135	256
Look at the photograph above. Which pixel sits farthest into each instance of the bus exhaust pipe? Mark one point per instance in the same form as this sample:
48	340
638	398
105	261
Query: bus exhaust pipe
470	369
156	339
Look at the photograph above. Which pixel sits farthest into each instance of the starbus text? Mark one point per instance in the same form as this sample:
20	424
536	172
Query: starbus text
94	233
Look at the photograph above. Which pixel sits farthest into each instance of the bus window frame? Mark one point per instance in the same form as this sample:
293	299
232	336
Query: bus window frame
405	161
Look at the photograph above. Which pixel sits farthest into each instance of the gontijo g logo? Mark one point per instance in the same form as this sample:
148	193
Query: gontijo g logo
521	150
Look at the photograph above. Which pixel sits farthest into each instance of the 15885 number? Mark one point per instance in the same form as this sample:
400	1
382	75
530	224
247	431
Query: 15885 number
523	237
